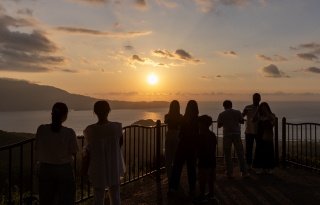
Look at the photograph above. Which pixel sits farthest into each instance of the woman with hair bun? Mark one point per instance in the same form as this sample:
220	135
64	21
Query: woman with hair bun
56	146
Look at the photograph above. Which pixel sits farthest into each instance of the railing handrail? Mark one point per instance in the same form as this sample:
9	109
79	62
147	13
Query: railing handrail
303	123
10	146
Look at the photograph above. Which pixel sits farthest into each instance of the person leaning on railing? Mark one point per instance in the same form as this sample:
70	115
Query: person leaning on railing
56	146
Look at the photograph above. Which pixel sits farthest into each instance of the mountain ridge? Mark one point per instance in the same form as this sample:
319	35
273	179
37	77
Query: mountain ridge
21	95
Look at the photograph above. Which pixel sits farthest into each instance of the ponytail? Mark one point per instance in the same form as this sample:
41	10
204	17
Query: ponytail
59	110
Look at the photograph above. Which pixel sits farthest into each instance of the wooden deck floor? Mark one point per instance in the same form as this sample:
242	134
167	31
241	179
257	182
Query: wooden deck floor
284	186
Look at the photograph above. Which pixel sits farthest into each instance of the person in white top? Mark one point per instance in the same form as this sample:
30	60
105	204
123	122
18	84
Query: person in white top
251	127
230	120
56	146
106	163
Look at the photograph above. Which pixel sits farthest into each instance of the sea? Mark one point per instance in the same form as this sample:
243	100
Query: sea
28	121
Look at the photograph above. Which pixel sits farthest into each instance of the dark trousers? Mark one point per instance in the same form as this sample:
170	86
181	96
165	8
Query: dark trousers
250	138
184	154
56	184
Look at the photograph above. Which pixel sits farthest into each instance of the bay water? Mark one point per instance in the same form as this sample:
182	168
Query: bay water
28	121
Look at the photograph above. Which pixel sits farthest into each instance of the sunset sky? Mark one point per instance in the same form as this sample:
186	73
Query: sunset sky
207	50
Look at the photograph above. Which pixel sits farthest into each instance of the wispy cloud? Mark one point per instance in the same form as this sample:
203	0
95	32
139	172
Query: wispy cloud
204	77
179	54
307	56
310	70
131	61
26	11
26	52
310	45
128	47
273	71
209	5
276	58
141	4
314	50
79	30
168	4
93	1
228	53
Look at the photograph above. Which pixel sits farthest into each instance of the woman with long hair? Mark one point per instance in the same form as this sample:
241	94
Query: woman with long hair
264	154
189	133
173	120
106	163
56	146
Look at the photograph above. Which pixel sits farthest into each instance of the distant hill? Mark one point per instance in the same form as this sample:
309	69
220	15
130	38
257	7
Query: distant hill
19	95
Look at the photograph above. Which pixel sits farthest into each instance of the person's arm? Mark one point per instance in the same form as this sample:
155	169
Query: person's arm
245	111
241	121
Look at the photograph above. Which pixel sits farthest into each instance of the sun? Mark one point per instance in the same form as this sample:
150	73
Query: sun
152	79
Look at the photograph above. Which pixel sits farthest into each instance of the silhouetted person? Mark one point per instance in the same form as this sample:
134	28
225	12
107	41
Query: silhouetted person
189	133
264	153
230	120
106	162
251	127
56	145
173	120
206	154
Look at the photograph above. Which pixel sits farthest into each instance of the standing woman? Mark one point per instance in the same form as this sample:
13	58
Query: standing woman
264	154
189	133
106	164
173	120
56	145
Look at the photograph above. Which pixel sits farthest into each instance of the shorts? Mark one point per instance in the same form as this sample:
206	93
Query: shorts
206	174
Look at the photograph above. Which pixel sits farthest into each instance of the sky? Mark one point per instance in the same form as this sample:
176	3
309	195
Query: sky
206	50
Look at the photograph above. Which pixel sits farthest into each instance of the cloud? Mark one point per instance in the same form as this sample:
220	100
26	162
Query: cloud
93	1
209	5
228	53
128	47
272	71
137	58
143	61
69	71
307	56
163	53
168	4
79	30
311	70
26	52
314	50
141	4
276	58
27	12
203	77
310	45
179	54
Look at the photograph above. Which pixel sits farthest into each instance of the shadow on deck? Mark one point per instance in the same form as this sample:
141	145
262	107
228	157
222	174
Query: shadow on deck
284	186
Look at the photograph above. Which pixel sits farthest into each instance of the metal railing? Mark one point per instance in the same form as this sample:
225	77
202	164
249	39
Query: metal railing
301	144
143	152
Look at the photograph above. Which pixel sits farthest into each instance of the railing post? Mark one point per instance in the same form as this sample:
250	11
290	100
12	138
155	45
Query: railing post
158	138
284	143
276	142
